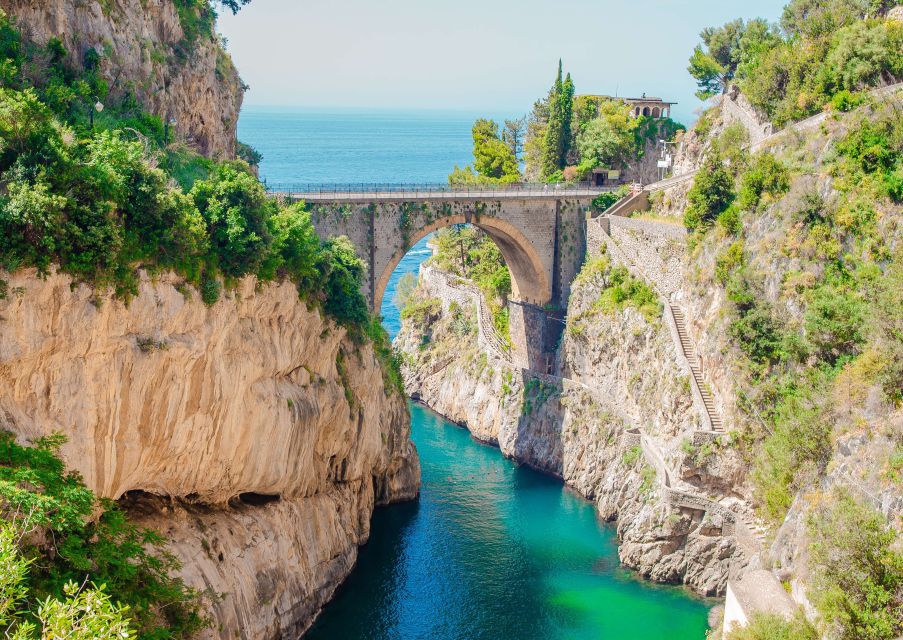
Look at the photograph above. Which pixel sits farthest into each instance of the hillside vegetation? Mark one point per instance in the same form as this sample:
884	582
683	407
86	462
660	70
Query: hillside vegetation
822	52
805	240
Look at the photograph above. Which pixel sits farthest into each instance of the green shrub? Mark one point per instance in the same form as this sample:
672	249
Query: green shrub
731	146
605	201
756	329
728	260
730	221
36	491
766	176
857	569
618	289
799	447
236	209
770	626
422	311
210	290
249	154
712	192
835	322
874	152
344	274
846	100
631	456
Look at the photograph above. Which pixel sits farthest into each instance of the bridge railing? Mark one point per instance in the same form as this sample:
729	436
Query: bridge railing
400	188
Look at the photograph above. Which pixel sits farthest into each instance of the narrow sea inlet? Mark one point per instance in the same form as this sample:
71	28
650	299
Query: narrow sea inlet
494	550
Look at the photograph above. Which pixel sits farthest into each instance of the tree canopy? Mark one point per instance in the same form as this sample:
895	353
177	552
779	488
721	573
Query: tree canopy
822	48
494	159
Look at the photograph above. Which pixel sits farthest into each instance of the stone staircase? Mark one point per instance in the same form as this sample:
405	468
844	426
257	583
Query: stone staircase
488	334
690	354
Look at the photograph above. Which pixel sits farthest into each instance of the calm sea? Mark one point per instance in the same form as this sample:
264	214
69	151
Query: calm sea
491	550
348	146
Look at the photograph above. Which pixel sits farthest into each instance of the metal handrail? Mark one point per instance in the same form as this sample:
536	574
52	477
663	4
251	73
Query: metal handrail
433	187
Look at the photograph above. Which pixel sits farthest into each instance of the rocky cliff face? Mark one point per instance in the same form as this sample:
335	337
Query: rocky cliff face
619	372
145	52
270	454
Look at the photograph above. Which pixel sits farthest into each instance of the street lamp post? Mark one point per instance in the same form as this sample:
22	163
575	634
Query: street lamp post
98	107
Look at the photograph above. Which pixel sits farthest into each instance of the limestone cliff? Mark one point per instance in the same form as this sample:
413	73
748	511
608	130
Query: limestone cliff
266	433
145	52
619	372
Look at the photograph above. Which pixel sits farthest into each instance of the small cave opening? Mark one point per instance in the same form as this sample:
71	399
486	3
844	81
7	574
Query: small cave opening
253	499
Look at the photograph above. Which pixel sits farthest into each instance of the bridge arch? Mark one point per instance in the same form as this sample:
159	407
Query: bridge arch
529	280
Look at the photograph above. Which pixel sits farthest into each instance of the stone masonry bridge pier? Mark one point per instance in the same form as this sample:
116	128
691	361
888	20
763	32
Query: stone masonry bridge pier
539	229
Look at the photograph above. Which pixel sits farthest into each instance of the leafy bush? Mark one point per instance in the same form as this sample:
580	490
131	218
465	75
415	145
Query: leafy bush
846	100
799	447
765	176
422	311
874	152
618	289
606	200
344	273
248	153
728	260
769	626
712	192
834	321
858	570
730	221
236	209
36	491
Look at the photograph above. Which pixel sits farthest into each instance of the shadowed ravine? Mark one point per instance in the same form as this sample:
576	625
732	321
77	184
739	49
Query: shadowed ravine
493	550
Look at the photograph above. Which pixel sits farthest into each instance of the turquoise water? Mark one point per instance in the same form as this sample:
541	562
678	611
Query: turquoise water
496	551
491	550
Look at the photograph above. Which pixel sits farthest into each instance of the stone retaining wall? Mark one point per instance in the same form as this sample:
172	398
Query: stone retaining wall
651	250
448	288
656	248
736	108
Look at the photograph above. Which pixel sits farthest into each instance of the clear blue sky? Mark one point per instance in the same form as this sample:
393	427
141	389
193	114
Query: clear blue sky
493	56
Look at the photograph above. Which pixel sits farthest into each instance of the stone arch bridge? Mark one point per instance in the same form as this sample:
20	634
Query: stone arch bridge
540	231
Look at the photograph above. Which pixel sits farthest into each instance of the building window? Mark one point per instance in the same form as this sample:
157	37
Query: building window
645	111
655	112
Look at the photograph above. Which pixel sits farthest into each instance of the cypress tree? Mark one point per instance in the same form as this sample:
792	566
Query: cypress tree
567	113
558	132
554	140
